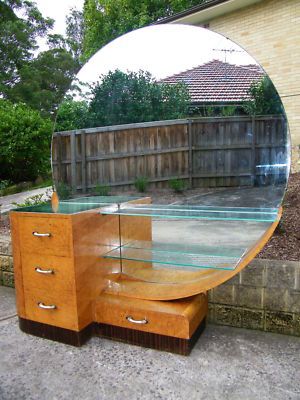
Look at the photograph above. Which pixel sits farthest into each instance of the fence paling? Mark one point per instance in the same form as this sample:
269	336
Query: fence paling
206	151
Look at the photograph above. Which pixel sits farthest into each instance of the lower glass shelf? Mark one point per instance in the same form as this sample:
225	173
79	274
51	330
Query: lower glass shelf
178	255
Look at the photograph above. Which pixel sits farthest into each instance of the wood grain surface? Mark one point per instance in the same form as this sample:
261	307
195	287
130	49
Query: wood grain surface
178	318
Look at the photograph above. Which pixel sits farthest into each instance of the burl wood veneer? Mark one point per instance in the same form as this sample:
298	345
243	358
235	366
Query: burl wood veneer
61	280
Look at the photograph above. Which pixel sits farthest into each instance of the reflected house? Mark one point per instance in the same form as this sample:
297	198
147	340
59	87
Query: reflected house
216	85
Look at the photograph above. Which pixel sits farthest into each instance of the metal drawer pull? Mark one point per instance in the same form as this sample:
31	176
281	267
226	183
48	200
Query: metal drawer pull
41	234
44	271
45	307
137	321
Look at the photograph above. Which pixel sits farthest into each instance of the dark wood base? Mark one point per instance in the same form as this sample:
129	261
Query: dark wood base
150	340
130	336
62	335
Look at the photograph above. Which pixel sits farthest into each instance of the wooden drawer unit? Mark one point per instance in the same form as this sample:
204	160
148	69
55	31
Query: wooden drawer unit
177	319
64	314
62	279
48	273
45	235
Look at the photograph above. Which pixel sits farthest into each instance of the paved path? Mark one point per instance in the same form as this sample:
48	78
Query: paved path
226	363
7	201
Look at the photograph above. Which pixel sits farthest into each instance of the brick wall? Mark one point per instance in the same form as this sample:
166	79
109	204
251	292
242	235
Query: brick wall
264	296
6	262
270	32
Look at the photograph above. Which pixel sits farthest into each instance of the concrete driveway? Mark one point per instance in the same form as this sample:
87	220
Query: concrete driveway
6	202
226	363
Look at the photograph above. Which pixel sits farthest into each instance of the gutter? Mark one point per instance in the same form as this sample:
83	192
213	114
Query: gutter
189	11
205	12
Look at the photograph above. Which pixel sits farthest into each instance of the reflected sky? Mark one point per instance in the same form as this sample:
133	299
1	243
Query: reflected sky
163	51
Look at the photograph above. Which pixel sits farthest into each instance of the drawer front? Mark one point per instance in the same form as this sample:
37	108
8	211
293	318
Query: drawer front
47	236
38	305
48	273
137	318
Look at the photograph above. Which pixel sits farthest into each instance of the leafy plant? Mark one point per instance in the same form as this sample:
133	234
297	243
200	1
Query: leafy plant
228	111
141	184
25	143
102	190
178	185
64	191
72	115
5	183
264	99
124	98
209	111
35	200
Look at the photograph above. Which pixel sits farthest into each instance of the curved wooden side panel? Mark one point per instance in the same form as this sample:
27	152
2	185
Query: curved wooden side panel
149	288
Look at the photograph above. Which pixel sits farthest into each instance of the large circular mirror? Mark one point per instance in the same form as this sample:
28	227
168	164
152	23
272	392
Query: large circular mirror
181	134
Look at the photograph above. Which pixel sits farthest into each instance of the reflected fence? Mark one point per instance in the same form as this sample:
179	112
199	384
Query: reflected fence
204	152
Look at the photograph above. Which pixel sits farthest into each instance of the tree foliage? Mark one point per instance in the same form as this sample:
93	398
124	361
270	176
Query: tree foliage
25	142
122	98
75	33
39	80
72	115
45	80
265	99
18	39
105	20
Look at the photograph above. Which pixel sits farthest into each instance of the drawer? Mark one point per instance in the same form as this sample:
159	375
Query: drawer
177	318
32	229
48	273
63	316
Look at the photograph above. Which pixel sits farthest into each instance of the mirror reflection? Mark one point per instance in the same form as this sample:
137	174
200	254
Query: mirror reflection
186	117
225	121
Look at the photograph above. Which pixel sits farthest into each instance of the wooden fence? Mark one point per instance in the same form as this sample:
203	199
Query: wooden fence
204	152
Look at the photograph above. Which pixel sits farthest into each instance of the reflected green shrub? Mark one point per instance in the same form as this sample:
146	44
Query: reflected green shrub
141	184
178	185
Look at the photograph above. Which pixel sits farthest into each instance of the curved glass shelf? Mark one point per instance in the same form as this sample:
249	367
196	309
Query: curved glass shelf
192	256
193	212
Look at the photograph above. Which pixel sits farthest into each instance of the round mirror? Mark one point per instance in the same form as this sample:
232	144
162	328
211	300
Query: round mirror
181	134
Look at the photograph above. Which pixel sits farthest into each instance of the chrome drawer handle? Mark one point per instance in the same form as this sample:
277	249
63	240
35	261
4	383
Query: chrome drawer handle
137	321
45	307
44	271
41	234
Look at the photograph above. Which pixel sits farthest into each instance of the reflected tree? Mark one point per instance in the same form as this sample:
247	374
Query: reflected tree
265	99
122	98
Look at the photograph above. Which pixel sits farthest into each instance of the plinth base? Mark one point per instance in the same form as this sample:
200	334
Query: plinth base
150	340
172	326
55	333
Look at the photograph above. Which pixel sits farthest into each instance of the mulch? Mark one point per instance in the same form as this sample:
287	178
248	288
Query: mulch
284	244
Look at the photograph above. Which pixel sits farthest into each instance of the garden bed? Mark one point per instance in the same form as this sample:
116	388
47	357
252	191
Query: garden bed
285	243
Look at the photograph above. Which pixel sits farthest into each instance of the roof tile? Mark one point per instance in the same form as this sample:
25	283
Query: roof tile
217	81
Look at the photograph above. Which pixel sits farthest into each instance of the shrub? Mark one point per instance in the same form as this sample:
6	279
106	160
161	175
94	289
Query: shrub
4	184
177	185
25	139
36	200
141	184
124	98
63	190
102	190
72	115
